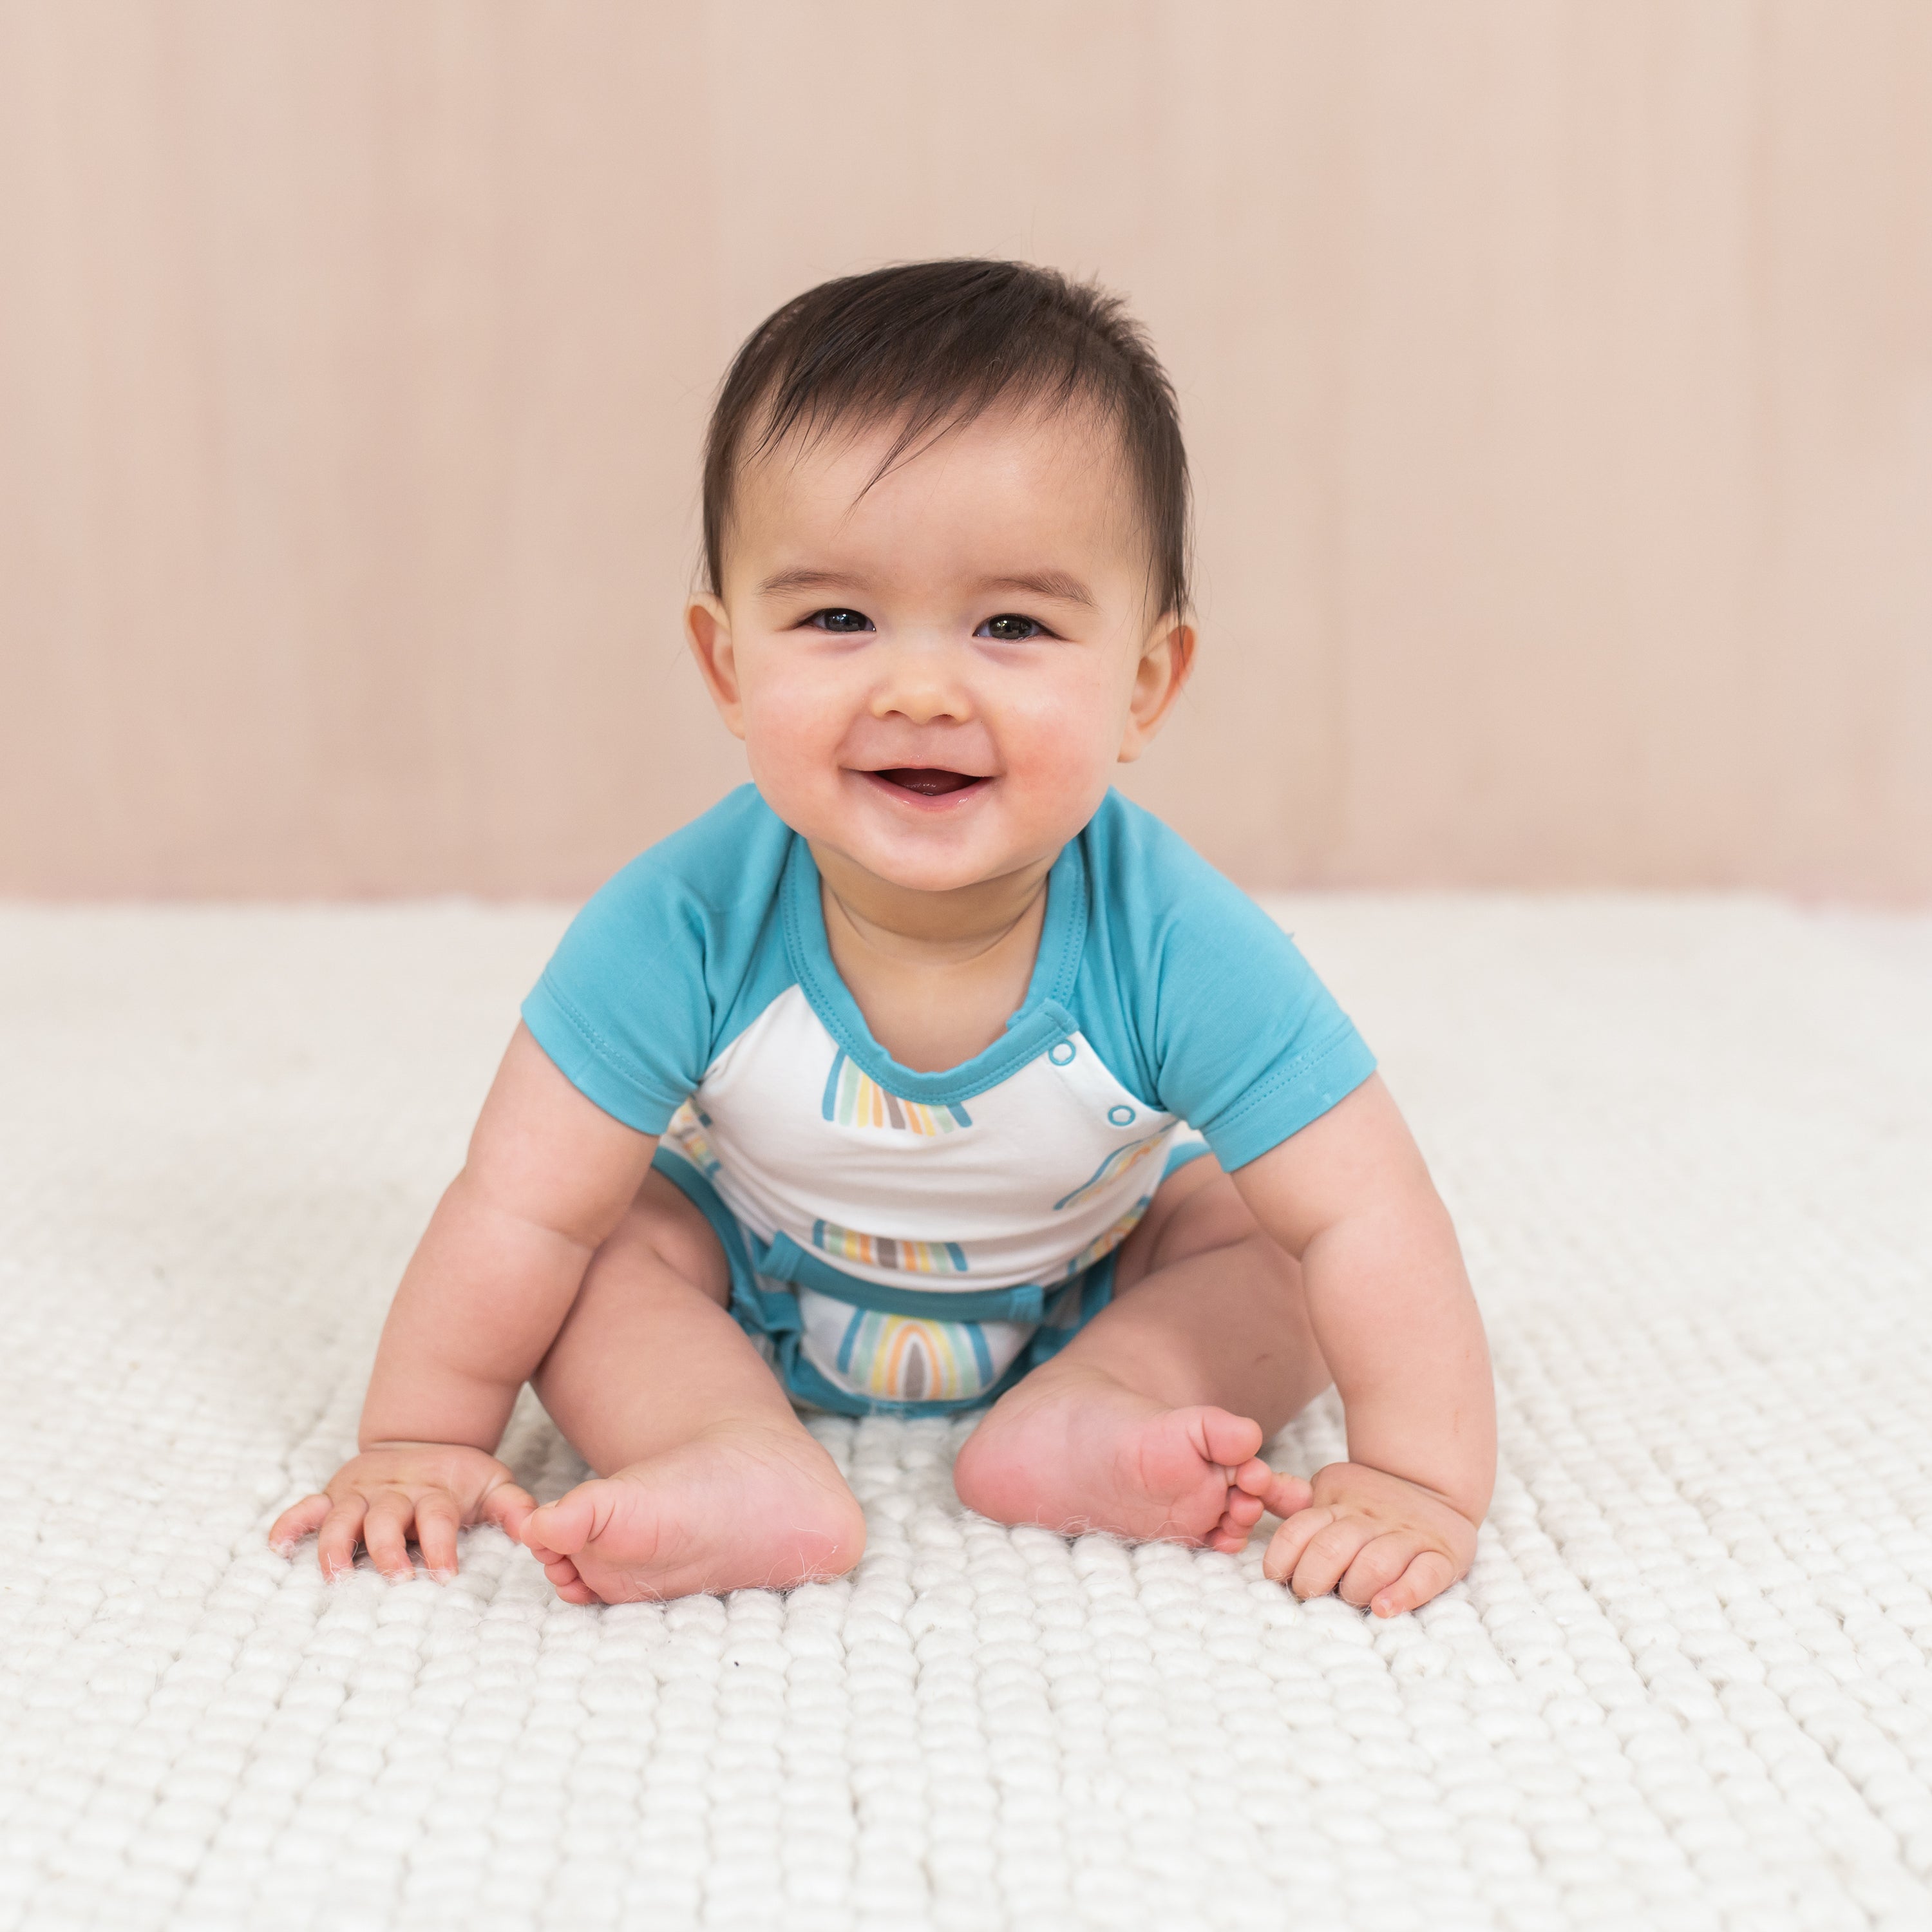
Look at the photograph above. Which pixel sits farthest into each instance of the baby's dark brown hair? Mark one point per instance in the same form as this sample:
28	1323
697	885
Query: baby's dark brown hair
930	345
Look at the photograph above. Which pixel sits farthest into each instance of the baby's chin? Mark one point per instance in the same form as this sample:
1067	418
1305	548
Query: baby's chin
931	864
938	857
926	835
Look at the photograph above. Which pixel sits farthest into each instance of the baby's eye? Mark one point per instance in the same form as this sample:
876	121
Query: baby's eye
1010	629
840	620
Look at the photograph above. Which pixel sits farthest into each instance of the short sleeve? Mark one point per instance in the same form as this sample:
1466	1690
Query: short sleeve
656	972
1224	1022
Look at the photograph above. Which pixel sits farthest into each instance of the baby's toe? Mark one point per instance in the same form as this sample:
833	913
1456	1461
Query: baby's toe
1255	1476
568	1583
565	1526
1230	1535
1227	1439
1243	1511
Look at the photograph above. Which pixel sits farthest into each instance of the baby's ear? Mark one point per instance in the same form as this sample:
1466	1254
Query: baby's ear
708	629
1166	662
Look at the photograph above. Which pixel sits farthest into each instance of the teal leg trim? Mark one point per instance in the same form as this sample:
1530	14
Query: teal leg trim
758	1311
1095	1287
1080	1301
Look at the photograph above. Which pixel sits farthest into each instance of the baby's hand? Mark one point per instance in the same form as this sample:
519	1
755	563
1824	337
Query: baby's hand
378	1498
1371	1537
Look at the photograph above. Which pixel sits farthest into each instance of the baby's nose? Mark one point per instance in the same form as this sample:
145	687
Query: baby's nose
923	684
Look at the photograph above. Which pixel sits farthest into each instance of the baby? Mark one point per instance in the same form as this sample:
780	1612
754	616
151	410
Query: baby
925	1074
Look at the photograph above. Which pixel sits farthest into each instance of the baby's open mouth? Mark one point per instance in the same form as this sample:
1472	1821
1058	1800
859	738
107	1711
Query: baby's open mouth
928	780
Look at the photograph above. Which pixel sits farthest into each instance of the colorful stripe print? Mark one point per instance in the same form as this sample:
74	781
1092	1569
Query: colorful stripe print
686	1134
904	1359
1109	1238
854	1100
882	1251
1116	1164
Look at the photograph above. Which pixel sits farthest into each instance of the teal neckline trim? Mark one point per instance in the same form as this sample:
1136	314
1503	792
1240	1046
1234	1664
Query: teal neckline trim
1041	1022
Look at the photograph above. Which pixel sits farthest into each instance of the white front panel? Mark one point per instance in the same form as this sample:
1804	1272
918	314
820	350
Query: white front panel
1029	1181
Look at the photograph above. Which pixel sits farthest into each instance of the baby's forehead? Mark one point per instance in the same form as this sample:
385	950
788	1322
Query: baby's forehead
1062	471
890	438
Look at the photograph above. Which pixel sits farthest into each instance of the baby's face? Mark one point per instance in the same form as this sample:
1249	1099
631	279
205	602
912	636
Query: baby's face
934	677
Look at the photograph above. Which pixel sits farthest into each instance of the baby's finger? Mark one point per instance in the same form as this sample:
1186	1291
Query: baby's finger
385	1534
1328	1553
1285	1548
1280	1494
509	1506
1428	1575
296	1521
335	1541
437	1521
1377	1563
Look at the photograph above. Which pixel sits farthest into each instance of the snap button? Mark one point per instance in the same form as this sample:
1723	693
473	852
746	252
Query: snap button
1121	1117
1060	1053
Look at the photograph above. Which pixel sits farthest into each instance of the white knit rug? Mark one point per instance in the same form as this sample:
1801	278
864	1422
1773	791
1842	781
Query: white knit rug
1689	1684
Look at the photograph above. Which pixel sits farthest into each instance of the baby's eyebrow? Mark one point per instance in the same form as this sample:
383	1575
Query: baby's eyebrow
804	579
1060	585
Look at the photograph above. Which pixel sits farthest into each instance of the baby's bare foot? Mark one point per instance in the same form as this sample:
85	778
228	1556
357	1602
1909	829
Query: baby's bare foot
1074	1450
750	1507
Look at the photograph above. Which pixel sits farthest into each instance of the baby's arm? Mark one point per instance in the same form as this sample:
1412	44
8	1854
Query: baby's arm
1392	1310
548	1177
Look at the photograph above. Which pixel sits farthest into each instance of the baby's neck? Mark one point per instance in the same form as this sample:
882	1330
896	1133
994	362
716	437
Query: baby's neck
930	928
937	975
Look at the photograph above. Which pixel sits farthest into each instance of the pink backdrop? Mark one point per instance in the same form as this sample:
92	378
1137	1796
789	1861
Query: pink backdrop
1558	378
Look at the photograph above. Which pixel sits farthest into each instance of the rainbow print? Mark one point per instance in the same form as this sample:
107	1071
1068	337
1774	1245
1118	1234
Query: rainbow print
686	1135
905	1359
1116	1164
882	1251
853	1100
1109	1238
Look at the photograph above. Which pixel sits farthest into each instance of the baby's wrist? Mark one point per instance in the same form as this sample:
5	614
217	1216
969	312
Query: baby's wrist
371	1445
1469	1498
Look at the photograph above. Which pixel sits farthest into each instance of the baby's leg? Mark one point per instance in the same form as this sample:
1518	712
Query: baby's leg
1139	1424
706	1479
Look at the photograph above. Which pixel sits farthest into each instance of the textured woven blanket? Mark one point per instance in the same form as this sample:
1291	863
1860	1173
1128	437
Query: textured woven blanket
1688	1684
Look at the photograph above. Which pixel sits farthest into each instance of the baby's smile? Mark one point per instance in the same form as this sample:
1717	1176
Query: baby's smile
929	783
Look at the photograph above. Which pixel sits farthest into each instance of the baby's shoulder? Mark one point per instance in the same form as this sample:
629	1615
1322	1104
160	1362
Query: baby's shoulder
702	906
728	863
665	960
1147	880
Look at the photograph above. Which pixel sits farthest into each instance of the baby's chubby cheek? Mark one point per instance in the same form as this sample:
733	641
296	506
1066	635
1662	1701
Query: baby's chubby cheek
1059	743
793	732
1056	765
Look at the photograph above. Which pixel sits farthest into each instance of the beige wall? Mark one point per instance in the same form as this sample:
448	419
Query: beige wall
1558	373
